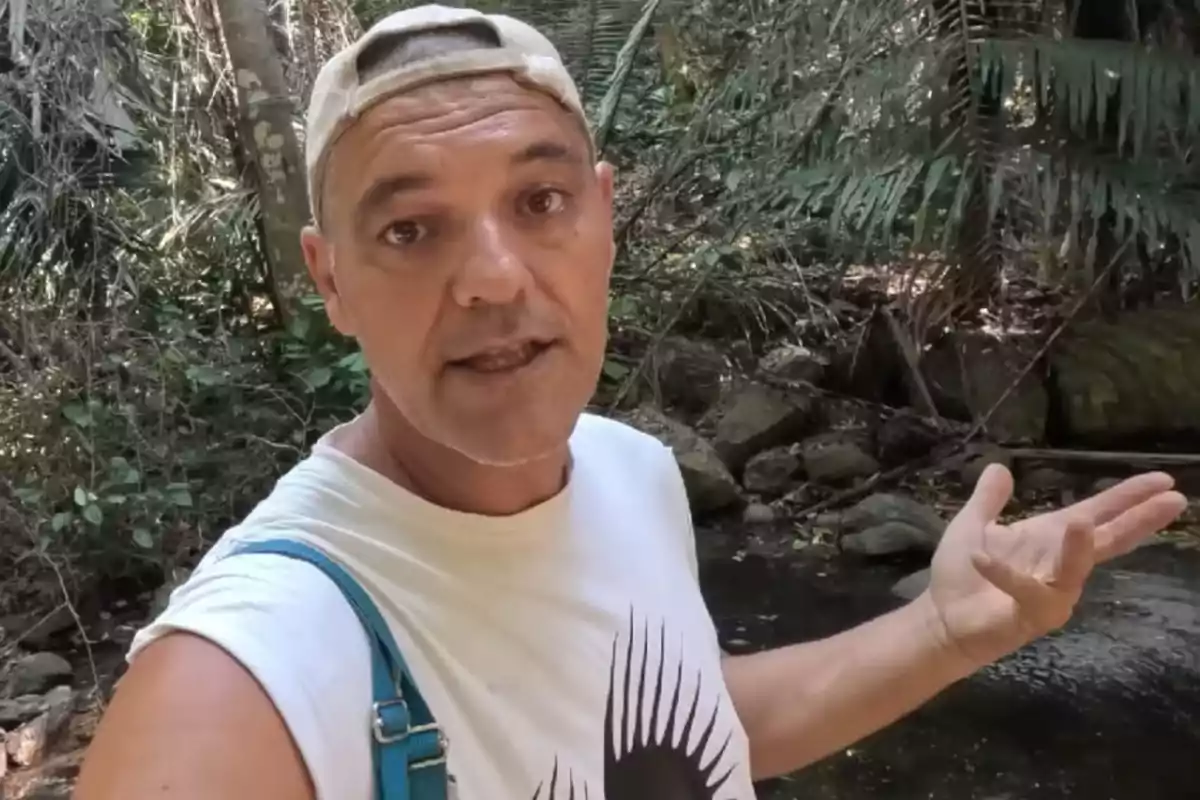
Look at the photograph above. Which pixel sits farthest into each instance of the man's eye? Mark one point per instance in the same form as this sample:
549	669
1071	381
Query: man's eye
545	201
403	234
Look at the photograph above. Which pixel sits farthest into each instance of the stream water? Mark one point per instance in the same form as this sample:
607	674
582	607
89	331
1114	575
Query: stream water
1108	709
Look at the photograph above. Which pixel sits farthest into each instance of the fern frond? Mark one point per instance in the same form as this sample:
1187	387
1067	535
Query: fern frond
1152	95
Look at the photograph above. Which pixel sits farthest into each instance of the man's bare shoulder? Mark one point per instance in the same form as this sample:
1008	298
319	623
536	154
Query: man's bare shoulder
256	635
189	721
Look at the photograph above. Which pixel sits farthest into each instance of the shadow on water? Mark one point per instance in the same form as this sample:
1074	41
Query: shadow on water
1108	709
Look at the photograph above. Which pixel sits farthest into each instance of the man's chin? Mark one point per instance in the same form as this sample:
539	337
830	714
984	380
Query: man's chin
507	444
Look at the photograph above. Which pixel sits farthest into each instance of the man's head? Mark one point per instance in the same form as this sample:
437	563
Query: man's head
463	229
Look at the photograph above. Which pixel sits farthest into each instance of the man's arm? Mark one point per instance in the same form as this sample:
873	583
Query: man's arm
801	703
993	588
188	722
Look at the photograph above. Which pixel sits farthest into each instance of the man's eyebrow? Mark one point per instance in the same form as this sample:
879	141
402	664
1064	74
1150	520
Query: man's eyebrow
389	186
548	151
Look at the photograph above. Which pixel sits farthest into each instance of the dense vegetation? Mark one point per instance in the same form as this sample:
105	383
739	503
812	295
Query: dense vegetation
161	360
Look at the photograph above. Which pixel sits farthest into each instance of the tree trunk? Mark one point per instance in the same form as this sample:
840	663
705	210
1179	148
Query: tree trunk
265	125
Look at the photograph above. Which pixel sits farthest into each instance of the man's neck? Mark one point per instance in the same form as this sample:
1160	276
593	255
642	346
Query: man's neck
389	445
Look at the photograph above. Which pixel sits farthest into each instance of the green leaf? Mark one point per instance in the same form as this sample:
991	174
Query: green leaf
28	495
81	496
142	538
205	375
61	520
615	370
78	414
354	362
92	514
179	496
318	377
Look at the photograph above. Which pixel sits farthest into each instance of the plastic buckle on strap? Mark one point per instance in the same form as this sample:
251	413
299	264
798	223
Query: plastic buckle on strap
391	724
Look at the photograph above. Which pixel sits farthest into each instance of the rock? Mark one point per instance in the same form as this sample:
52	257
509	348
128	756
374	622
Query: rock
904	436
20	710
770	472
34	674
920	522
887	539
709	484
1043	480
978	458
793	362
691	375
39	632
59	702
967	373
910	586
833	457
27	745
1136	376
757	417
758	514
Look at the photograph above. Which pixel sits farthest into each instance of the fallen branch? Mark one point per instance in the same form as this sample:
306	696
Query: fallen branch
912	360
1104	456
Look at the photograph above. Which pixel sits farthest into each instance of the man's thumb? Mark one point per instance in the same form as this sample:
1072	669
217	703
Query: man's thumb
992	493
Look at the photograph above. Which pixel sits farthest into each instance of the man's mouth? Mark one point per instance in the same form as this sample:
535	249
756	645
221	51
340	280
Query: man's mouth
503	359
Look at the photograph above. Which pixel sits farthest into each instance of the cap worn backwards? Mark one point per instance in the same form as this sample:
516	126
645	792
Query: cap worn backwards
342	92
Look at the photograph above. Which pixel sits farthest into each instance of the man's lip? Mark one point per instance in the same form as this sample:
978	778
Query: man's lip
535	346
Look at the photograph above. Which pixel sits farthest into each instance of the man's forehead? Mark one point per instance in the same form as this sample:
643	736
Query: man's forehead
509	112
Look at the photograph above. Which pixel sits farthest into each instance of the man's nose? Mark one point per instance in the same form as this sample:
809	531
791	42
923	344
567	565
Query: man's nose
492	272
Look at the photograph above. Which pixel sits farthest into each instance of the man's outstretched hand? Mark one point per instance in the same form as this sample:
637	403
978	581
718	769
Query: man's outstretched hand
994	588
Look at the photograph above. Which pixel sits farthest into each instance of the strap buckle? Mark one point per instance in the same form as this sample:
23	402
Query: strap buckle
389	728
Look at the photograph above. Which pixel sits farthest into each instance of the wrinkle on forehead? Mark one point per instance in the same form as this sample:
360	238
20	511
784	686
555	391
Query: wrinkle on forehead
449	106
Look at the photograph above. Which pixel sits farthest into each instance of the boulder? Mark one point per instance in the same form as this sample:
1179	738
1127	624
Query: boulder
832	457
967	373
19	710
910	586
771	471
888	539
35	674
1136	376
793	363
904	436
892	523
690	374
710	485
757	417
758	514
26	746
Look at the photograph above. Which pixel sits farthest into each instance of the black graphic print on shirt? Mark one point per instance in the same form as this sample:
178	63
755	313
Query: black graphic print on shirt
682	761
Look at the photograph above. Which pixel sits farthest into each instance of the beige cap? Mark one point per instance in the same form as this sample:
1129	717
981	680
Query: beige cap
339	95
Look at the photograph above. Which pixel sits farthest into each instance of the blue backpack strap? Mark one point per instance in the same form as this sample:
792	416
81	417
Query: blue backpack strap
408	748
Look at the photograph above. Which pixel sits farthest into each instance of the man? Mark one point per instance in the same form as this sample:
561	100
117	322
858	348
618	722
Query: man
535	565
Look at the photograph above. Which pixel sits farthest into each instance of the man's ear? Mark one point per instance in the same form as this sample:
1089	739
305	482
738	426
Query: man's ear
604	174
318	255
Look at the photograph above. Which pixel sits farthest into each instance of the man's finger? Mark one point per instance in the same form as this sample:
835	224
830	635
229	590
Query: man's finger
992	492
1077	557
1027	590
1111	503
1129	529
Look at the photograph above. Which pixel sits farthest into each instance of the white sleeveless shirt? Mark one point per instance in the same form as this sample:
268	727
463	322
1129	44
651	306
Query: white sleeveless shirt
566	650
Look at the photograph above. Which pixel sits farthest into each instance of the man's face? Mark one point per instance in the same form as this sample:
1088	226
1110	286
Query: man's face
467	245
